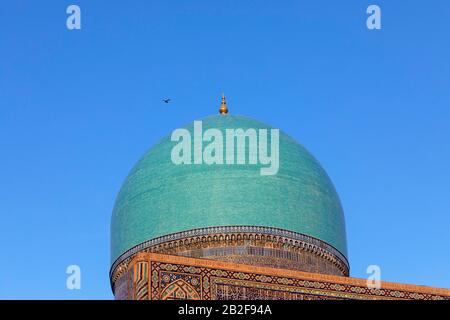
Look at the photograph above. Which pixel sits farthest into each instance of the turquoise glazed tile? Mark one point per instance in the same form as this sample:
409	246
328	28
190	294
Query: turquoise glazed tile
159	197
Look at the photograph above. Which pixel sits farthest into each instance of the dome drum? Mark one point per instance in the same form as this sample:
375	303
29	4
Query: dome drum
260	246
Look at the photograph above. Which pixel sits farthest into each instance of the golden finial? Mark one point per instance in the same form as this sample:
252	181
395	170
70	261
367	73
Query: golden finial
223	107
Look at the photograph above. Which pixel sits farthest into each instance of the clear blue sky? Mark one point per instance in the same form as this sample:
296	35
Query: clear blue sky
78	108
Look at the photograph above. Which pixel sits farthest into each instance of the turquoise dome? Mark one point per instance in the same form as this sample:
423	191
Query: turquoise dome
160	198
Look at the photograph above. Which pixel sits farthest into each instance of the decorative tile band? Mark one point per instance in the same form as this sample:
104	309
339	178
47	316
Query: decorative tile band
171	277
288	237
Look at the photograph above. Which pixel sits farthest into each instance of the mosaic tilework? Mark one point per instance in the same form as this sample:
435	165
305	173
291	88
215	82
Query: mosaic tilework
211	280
180	289
249	245
141	273
242	292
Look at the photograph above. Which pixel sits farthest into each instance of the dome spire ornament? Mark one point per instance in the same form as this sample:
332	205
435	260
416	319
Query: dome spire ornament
223	107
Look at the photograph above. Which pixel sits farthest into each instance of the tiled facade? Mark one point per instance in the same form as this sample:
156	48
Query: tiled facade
155	276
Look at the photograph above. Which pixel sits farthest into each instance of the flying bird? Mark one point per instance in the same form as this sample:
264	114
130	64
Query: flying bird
166	100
